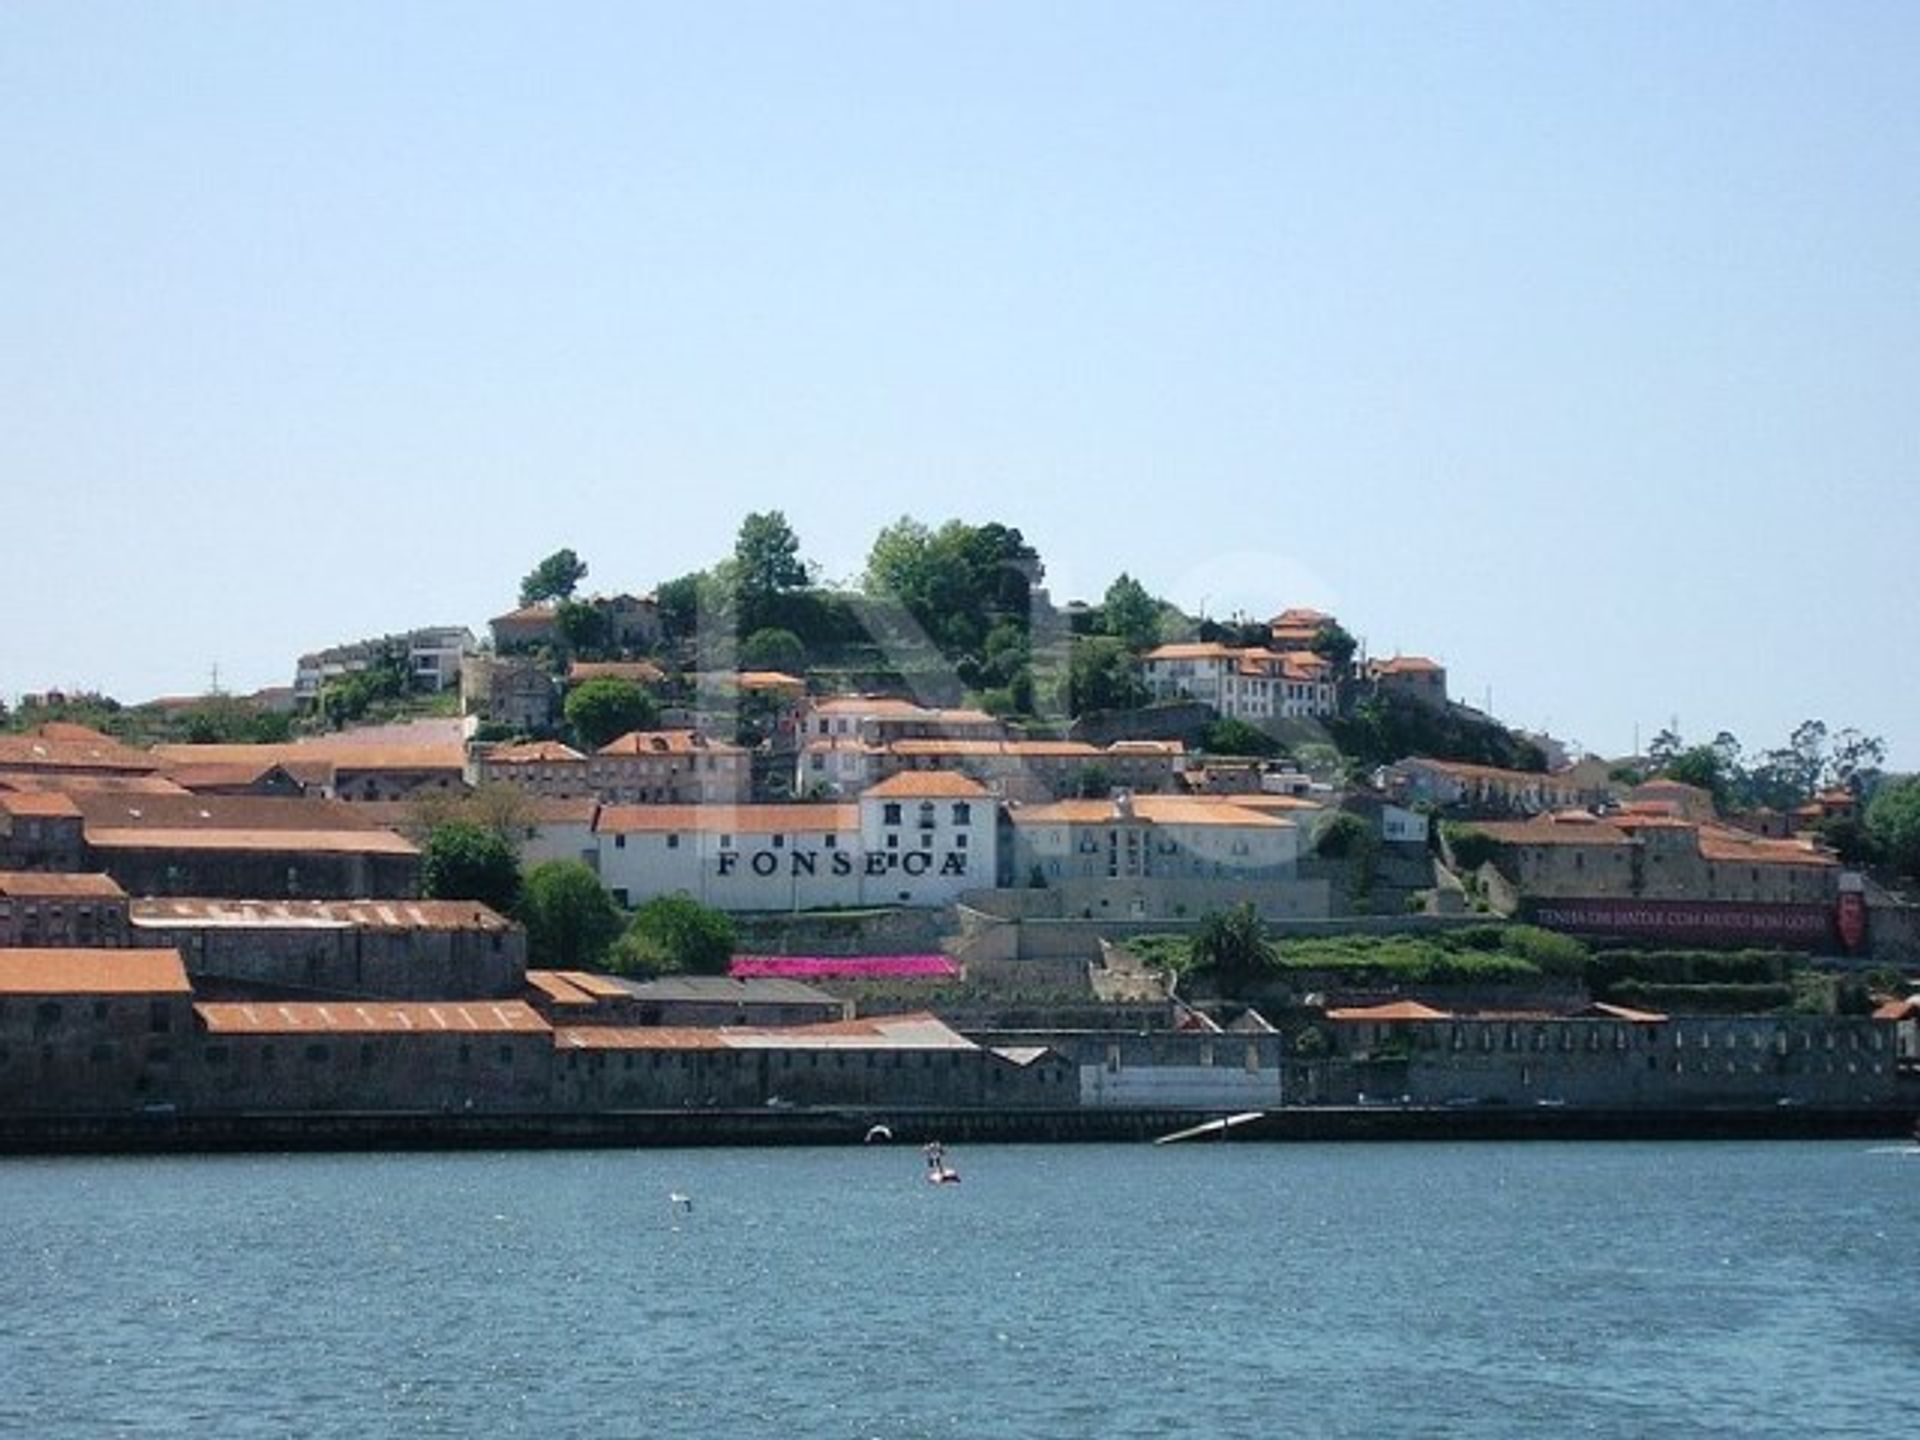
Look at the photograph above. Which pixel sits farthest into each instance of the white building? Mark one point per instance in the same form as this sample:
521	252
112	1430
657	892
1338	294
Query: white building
432	657
1249	685
915	840
1136	857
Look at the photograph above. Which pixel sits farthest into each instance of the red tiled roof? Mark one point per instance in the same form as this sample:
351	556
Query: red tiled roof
320	842
668	742
38	805
370	915
928	784
349	1018
44	885
1396	1010
92	972
727	819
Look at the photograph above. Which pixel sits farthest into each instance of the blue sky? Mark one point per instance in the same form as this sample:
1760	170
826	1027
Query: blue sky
1576	345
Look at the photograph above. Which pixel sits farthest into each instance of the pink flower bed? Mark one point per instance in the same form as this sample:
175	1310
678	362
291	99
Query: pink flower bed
842	967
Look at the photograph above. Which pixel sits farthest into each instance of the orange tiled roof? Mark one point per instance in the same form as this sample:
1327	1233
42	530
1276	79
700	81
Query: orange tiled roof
317	842
92	972
728	819
668	742
1738	847
534	752
60	747
1396	1010
383	915
1192	650
47	885
38	805
558	990
348	1018
921	784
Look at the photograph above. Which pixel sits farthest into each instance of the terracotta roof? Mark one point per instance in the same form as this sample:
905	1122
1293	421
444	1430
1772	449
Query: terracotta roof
728	819
1544	831
600	987
389	915
557	990
1738	847
92	972
347	1018
1897	1010
320	842
224	773
343	753
533	752
1192	650
668	742
66	782
221	812
1406	665
1147	747
920	784
55	747
38	805
870	705
528	613
770	680
1396	1010
45	885
1302	615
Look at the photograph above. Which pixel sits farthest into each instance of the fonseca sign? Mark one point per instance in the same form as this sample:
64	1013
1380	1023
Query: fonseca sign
768	863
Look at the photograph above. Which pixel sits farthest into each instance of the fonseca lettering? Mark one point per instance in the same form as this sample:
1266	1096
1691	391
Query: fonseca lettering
804	864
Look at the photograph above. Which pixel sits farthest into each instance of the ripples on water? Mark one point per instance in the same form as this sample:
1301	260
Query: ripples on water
1060	1292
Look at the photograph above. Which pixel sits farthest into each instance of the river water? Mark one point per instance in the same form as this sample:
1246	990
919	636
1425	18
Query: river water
1430	1289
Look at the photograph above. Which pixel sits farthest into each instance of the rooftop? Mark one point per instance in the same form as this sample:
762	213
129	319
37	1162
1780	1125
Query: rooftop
406	915
344	1018
92	972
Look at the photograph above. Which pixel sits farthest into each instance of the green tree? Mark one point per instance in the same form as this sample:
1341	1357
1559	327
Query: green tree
956	582
1101	676
571	920
1893	824
679	602
604	708
1705	768
554	578
1130	614
1232	945
767	554
585	628
463	861
1332	643
673	933
1230	736
774	649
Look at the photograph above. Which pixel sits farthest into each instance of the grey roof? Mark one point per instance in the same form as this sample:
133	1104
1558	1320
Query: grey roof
725	990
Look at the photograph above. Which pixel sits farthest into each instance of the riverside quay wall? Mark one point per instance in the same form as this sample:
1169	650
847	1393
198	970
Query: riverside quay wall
117	1033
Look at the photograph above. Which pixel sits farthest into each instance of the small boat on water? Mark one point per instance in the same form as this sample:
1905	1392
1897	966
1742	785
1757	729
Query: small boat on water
938	1171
